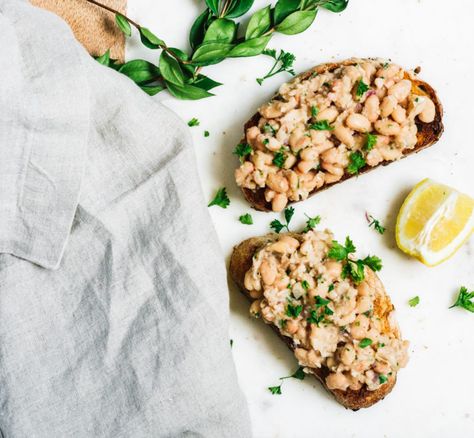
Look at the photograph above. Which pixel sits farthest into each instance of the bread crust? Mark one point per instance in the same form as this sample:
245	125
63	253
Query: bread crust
428	133
241	262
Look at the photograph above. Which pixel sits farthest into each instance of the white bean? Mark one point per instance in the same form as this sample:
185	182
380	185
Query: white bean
387	127
429	112
388	105
358	123
400	90
309	154
277	182
279	202
305	166
328	114
399	114
372	108
344	135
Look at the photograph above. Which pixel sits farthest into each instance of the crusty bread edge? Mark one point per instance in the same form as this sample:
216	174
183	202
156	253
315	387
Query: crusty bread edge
428	133
240	263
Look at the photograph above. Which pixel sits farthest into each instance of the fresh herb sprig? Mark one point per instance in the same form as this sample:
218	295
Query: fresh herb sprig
352	268
283	63
311	223
277	226
375	223
214	37
298	374
246	219
465	300
413	302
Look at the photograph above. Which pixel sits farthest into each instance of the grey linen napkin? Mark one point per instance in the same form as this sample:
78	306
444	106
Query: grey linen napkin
113	296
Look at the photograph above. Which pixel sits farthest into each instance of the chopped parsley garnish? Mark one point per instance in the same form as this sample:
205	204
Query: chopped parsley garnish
298	374
305	285
193	122
365	342
370	142
375	223
356	162
284	62
246	219
242	150
465	300
311	223
362	88
322	125
275	390
318	315
314	111
206	133
277	226
268	129
331	287
383	378
412	302
231	343
293	311
221	199
279	159
352	268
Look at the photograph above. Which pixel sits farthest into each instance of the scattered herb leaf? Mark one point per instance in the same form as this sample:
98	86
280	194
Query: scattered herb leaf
221	199
242	150
193	122
321	125
465	300
356	162
375	223
412	302
246	219
365	342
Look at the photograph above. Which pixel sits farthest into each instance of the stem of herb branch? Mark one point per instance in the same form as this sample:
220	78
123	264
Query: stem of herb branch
138	27
270	73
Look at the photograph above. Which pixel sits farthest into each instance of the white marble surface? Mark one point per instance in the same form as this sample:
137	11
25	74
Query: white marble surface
434	396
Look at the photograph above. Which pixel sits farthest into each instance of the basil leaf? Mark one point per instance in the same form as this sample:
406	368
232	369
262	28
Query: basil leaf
239	8
140	71
205	83
296	22
196	34
259	23
221	30
149	39
211	53
187	91
213	5
104	59
251	47
152	89
123	24
335	5
283	8
170	69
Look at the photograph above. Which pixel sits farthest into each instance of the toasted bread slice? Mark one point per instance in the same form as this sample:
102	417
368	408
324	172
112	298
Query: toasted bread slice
241	262
427	135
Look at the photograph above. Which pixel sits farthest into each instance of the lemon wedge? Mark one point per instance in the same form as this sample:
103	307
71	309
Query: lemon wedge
434	221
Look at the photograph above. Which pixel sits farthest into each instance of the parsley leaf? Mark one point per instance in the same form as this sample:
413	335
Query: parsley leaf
383	378
414	301
305	285
293	311
193	122
365	342
465	300
289	212
314	111
284	62
275	390
370	142
279	159
221	199
299	374
376	223
362	88
242	150
322	125
357	162
352	268
311	223
231	342
246	219
206	133
278	226
373	262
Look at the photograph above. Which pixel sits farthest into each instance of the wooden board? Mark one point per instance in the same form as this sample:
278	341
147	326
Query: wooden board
93	27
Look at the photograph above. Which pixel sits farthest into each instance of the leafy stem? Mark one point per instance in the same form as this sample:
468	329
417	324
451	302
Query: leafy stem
284	62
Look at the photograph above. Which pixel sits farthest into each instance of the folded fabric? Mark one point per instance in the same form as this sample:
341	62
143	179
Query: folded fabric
113	294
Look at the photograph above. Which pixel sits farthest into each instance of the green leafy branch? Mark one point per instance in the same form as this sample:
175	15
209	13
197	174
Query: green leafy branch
215	36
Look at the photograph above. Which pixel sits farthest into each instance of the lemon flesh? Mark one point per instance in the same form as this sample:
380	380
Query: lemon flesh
434	221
